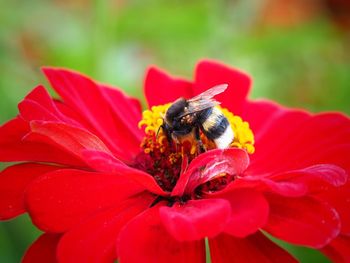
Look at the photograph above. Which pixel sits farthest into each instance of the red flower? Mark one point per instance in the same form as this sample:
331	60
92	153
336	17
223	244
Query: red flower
98	196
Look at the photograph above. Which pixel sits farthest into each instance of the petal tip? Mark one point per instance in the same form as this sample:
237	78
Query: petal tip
205	64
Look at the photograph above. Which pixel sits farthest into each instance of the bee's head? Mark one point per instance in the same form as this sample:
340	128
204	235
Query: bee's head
174	111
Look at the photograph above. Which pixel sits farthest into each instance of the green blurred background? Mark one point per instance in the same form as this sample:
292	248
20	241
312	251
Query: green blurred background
296	50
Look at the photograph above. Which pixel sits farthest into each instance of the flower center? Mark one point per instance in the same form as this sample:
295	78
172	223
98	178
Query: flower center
165	159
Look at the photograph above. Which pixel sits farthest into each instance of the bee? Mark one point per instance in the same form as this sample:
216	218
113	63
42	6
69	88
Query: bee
185	118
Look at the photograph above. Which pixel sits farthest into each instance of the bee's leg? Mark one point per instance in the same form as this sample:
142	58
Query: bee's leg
166	132
175	143
177	146
160	127
200	145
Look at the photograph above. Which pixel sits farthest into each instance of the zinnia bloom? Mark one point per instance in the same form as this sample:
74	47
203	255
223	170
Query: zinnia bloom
102	185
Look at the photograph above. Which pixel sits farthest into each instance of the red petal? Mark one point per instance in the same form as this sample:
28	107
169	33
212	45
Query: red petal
266	118
196	219
101	161
127	113
316	178
324	131
160	88
261	114
260	183
42	250
211	73
104	162
209	164
14	148
250	211
302	221
310	140
71	114
267	121
254	248
13	182
38	105
338	250
198	163
85	97
339	198
94	240
59	200
72	139
295	183
144	239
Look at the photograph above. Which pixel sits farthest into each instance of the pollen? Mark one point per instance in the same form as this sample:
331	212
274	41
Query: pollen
155	139
152	120
243	135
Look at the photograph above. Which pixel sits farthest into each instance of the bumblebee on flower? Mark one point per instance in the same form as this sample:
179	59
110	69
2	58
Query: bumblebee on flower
187	128
98	196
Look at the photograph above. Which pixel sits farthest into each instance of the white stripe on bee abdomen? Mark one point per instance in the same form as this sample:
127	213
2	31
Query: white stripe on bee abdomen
225	139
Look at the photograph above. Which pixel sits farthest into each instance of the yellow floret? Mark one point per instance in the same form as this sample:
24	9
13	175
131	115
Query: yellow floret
244	136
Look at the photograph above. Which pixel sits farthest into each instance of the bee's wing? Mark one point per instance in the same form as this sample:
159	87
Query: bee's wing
204	100
200	105
210	93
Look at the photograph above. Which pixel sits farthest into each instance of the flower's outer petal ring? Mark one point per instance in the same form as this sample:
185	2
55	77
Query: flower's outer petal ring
263	184
43	249
13	182
313	180
209	73
145	239
249	212
103	162
196	219
94	240
128	113
38	105
339	198
59	200
265	117
14	148
303	221
317	178
160	88
74	140
85	97
292	139
254	248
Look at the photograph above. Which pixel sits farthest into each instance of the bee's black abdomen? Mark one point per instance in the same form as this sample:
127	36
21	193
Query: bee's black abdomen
218	129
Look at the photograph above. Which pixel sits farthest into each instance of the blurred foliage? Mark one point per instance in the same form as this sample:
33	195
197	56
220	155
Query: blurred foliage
303	65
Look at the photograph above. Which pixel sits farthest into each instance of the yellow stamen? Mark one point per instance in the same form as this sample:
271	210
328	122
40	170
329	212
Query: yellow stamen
244	136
